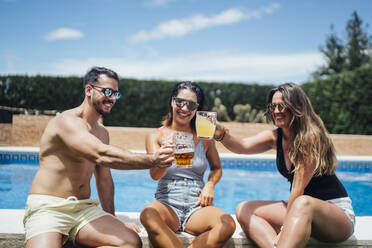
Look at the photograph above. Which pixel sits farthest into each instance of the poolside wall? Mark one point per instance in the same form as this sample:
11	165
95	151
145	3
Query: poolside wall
26	130
13	234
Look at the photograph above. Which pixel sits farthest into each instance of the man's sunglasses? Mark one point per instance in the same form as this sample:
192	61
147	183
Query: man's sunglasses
108	92
272	106
180	102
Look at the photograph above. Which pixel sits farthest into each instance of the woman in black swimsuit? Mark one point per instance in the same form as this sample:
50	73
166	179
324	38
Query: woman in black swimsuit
318	205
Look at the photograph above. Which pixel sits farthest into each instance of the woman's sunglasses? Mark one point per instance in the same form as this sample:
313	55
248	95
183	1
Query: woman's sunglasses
108	92
180	102
272	106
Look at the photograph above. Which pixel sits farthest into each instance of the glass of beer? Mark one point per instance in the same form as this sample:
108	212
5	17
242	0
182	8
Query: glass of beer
205	124
183	149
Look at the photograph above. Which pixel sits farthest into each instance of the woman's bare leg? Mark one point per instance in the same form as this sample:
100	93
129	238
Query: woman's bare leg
212	226
261	220
161	223
309	216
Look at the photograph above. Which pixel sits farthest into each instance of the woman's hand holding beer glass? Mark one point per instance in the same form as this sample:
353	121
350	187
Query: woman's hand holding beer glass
220	132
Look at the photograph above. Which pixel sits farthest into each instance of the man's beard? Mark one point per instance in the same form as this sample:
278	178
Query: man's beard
99	110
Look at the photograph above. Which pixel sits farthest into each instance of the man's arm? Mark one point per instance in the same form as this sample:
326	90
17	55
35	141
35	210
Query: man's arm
74	133
152	145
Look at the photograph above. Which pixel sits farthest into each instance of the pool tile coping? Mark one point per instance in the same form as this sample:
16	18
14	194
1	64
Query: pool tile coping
222	155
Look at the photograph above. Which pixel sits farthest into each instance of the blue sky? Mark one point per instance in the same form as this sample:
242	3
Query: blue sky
250	41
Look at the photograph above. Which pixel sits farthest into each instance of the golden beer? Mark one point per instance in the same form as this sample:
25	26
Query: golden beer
184	159
205	124
183	149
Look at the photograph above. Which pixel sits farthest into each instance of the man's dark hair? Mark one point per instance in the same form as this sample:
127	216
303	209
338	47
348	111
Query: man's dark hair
92	75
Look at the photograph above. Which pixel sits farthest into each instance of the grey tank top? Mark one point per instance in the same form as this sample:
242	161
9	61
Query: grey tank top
196	172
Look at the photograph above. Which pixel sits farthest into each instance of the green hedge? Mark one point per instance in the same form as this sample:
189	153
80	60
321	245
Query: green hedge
344	101
41	92
143	104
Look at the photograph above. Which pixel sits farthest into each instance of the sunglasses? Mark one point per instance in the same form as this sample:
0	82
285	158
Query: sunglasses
272	106
108	92
180	102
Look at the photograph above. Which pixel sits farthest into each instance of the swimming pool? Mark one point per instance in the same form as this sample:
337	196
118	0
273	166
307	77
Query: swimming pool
244	178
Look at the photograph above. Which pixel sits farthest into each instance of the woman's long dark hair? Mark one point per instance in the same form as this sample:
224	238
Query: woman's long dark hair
184	85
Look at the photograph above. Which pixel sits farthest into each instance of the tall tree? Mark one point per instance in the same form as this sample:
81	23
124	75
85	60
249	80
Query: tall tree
334	52
346	56
358	45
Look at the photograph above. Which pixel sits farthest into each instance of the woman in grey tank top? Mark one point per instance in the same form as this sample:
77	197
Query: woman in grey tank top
183	201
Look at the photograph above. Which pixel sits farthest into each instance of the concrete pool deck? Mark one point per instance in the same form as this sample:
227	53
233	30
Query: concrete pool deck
12	232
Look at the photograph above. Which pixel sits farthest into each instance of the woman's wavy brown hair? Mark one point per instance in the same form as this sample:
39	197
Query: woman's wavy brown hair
310	141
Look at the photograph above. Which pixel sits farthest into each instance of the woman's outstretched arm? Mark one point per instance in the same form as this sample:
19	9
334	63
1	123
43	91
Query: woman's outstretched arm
258	143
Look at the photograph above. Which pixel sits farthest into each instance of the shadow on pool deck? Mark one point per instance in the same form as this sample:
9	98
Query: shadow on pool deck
11	233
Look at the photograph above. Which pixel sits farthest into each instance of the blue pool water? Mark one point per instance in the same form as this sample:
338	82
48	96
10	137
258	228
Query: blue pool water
243	179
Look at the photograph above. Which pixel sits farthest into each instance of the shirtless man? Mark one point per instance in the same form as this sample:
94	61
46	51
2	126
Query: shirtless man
73	146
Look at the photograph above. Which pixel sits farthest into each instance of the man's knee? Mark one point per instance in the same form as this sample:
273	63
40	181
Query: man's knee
135	241
132	240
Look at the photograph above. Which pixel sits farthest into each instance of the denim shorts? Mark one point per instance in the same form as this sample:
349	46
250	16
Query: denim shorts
345	204
181	194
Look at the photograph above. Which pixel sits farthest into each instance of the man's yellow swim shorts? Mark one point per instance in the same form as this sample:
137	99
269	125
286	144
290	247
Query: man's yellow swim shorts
45	213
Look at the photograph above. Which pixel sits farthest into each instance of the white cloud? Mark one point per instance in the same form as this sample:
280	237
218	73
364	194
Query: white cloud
220	67
181	27
63	34
158	3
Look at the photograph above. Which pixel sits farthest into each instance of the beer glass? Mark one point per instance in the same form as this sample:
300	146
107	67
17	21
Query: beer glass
183	149
205	124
